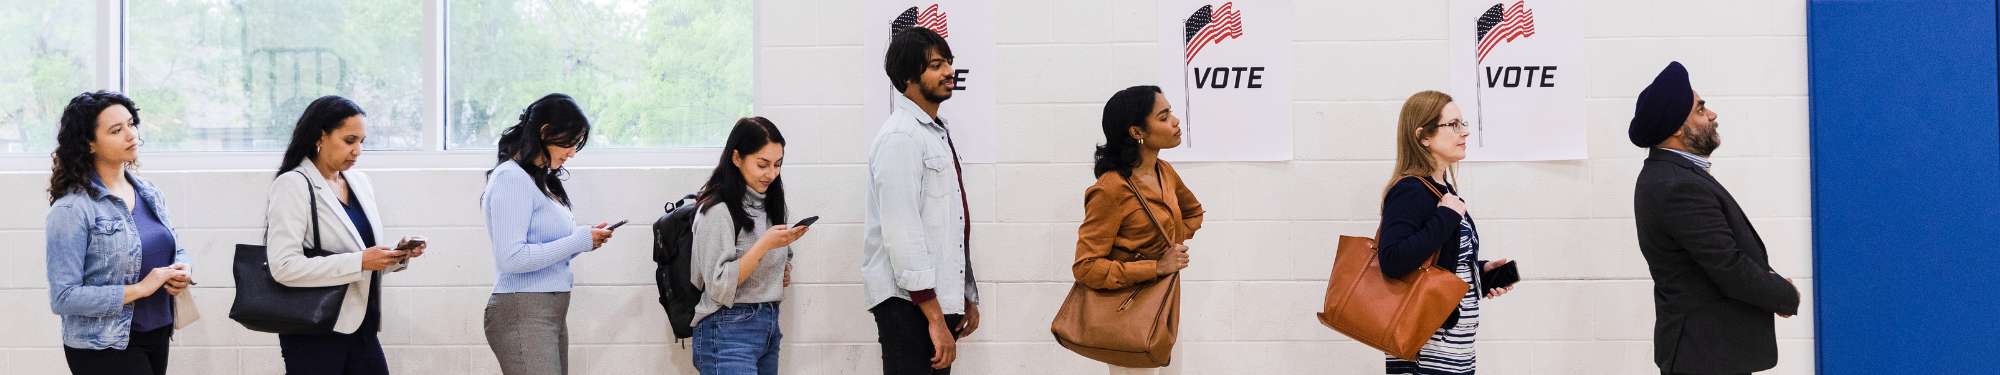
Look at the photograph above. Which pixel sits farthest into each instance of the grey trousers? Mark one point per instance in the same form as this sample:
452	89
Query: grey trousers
528	333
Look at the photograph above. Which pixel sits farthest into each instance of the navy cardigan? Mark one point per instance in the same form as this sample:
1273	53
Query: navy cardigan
1414	227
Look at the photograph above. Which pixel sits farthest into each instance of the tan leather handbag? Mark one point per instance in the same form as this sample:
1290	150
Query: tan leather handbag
1131	327
1395	316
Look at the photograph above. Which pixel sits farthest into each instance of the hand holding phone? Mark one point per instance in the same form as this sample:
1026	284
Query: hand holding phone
616	225
410	244
1502	276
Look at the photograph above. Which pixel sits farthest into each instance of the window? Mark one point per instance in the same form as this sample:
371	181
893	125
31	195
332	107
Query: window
47	56
216	80
214	75
664	73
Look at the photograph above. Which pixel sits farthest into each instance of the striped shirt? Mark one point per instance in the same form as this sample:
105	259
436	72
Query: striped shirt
1698	161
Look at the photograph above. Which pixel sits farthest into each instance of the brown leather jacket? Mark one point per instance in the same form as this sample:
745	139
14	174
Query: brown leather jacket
1113	228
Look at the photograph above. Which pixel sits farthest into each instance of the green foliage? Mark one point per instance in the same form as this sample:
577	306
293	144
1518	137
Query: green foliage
46	58
234	75
669	73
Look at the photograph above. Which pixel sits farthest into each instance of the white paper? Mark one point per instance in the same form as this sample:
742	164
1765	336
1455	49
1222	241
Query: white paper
1526	112
1244	112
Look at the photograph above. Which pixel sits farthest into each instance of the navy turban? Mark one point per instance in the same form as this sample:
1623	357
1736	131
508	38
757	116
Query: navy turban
1663	107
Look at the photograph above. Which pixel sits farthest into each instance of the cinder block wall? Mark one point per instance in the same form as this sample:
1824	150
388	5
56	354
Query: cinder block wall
1259	264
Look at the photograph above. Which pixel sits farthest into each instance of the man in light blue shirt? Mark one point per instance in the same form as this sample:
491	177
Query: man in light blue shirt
914	267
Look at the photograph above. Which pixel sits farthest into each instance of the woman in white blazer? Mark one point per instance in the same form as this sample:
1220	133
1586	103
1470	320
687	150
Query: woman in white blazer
329	135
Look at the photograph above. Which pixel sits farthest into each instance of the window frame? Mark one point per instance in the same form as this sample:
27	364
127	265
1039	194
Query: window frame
112	48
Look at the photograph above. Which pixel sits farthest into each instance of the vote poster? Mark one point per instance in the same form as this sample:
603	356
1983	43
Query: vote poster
969	27
1227	68
1517	73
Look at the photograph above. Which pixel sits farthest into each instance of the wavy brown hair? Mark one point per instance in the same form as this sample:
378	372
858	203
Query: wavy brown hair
74	163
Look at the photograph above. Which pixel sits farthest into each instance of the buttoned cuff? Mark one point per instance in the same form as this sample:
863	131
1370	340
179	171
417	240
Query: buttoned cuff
918	297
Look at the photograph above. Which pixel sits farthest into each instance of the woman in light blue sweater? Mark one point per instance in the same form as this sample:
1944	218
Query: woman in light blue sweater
534	237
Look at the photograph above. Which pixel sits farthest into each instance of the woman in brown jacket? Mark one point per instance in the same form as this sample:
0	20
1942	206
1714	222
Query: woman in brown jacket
1138	123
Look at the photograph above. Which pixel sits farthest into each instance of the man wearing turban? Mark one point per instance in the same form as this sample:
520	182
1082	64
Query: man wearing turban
1714	292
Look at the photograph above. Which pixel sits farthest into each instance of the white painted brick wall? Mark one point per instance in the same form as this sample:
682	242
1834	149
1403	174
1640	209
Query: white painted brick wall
1259	264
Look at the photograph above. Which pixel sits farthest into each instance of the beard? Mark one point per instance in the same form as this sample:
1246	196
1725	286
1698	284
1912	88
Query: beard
938	93
1702	140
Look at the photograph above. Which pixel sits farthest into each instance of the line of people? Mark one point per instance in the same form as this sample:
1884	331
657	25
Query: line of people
119	277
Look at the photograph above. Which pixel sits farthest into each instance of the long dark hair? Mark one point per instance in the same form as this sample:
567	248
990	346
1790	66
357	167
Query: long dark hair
324	115
726	185
524	143
1126	109
74	163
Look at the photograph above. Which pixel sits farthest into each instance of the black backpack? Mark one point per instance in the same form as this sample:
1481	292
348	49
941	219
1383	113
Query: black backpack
673	245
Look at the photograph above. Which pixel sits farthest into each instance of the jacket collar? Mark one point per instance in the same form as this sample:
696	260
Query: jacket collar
98	190
324	193
1661	154
140	185
904	104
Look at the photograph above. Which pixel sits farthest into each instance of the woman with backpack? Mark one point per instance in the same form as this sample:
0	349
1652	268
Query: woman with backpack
741	255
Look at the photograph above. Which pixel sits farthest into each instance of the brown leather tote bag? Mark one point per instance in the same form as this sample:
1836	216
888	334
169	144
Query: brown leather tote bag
1131	327
1395	316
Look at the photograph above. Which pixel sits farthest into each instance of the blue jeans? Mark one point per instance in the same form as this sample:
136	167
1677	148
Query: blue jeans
738	340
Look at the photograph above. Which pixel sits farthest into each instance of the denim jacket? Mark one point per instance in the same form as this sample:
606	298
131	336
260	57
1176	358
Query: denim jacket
914	230
93	253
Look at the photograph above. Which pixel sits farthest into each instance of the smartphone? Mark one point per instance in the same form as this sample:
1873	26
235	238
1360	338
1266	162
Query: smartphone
614	226
411	244
807	222
1503	276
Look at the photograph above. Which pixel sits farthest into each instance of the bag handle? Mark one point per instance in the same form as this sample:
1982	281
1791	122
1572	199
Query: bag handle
1434	191
312	205
1427	184
1143	207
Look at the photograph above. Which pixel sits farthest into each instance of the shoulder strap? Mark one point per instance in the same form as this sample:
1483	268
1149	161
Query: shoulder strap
1143	207
1427	184
312	205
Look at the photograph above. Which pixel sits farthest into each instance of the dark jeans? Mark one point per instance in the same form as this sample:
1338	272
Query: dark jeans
145	353
906	338
738	340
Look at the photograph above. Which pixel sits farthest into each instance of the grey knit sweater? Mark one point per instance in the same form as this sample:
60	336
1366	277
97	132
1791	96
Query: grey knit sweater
717	247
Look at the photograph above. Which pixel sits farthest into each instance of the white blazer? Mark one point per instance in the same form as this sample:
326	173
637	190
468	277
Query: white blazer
289	231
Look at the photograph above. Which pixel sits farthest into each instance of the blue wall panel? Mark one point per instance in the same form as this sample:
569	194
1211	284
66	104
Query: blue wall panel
1906	186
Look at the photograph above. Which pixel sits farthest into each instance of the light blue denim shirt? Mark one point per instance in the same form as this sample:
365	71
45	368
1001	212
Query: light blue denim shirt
533	237
93	253
914	226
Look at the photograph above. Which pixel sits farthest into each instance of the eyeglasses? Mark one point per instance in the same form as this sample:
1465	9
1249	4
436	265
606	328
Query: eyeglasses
1458	126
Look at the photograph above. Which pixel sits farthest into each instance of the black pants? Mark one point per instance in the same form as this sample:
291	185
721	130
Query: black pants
145	353
359	353
906	338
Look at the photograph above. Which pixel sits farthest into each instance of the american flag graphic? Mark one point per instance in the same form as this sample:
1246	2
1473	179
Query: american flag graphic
1497	26
1205	28
930	18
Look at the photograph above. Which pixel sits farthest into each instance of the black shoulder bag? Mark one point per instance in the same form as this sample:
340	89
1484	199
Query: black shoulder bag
265	305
